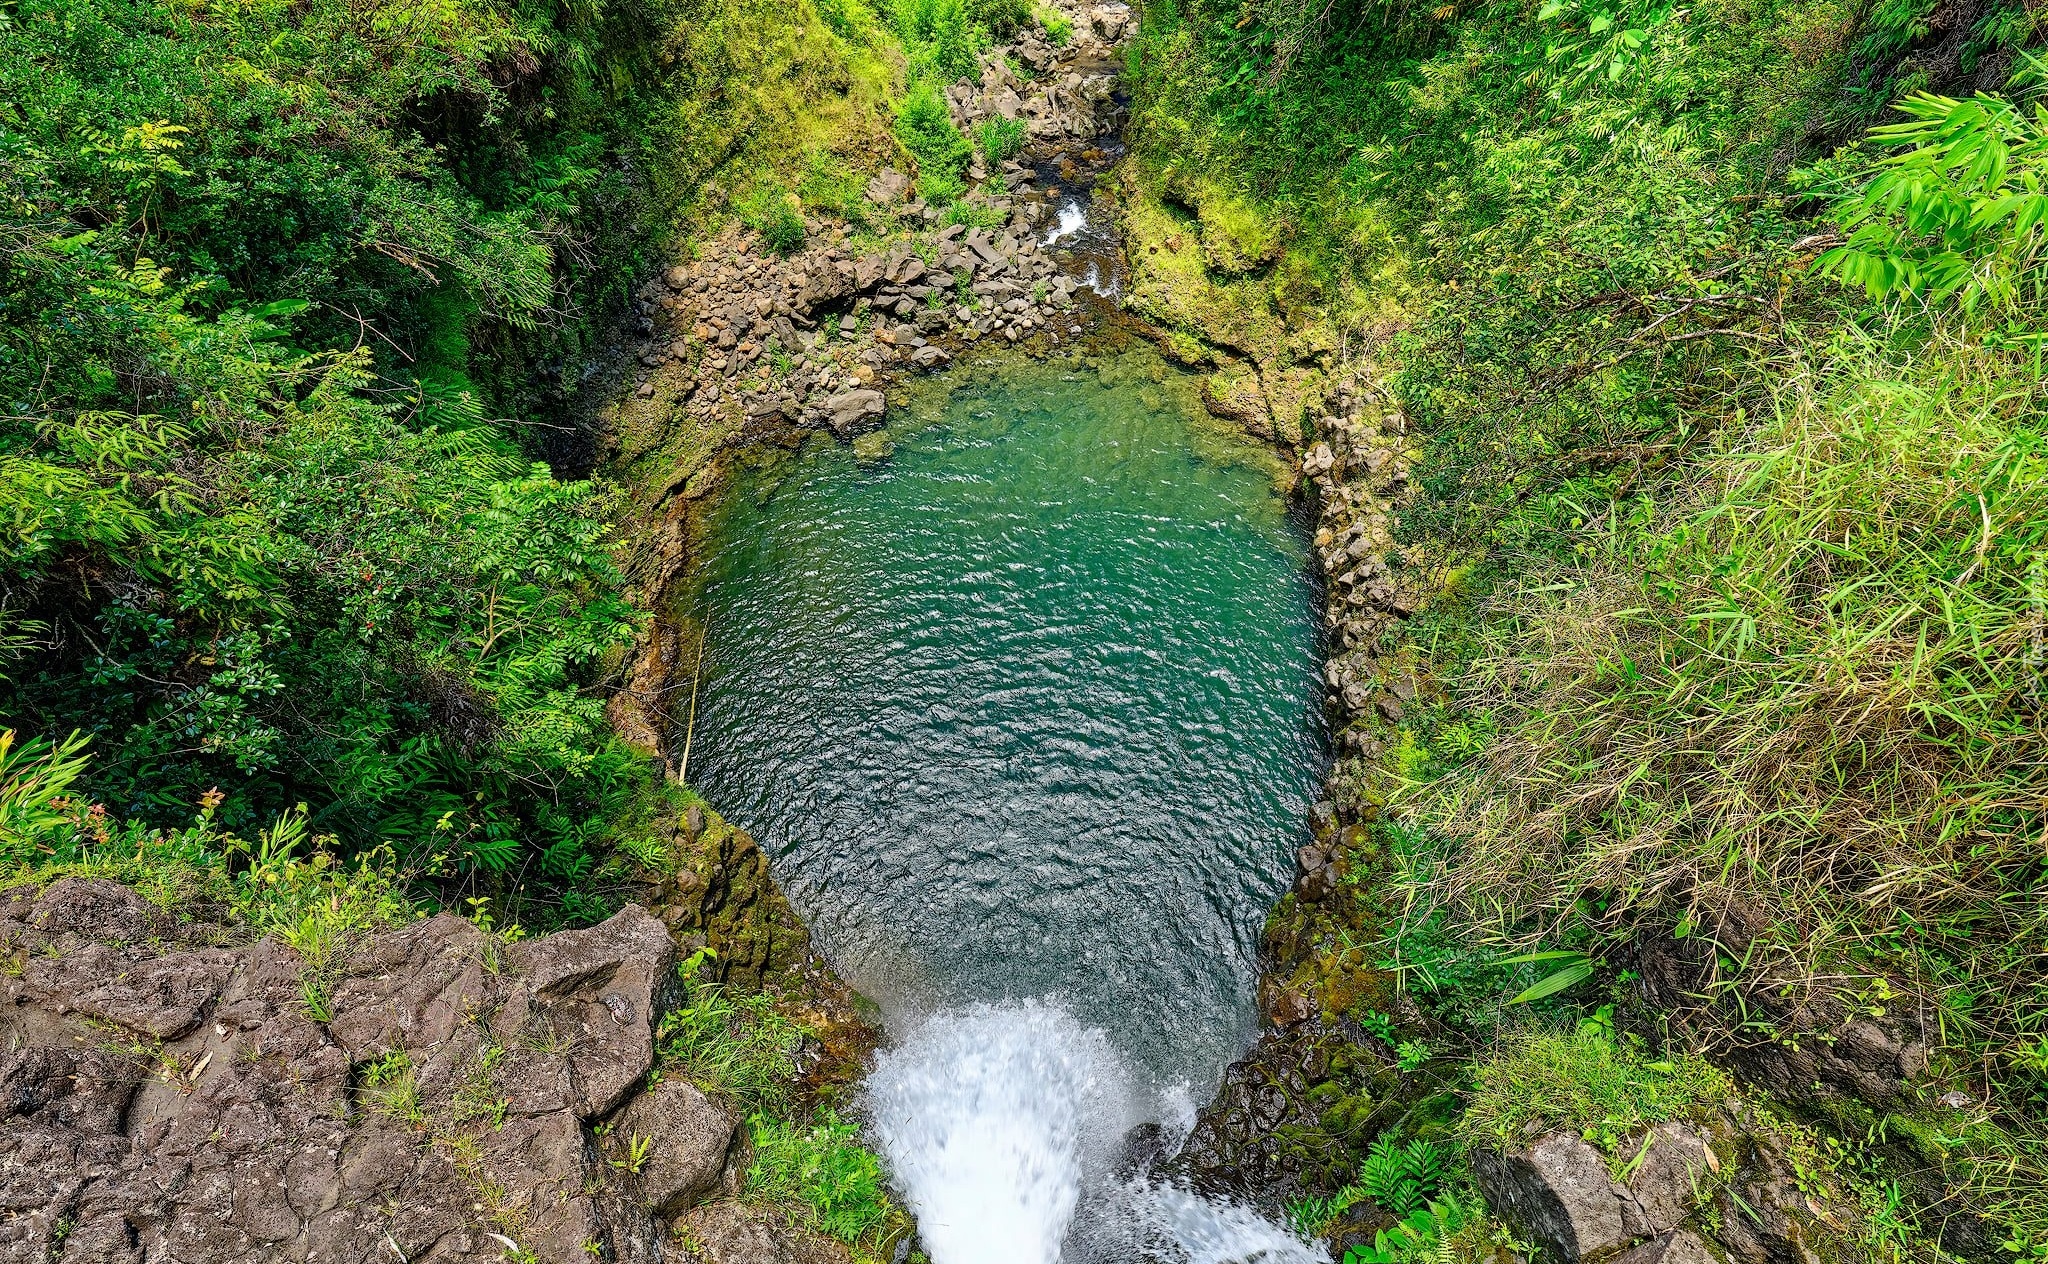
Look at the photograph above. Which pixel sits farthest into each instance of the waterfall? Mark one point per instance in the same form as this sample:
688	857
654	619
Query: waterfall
1003	1125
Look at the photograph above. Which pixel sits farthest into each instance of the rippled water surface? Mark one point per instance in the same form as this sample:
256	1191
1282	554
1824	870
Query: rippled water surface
1021	700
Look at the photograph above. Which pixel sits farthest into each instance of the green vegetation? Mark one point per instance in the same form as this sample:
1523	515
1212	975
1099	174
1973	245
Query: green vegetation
1588	1082
1057	27
942	38
999	139
736	1048
925	126
272	277
771	211
823	1174
1727	413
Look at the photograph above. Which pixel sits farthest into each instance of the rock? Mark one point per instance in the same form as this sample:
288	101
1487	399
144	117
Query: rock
1315	874
602	990
247	1136
410	988
727	1233
163	997
95	909
822	284
1559	1189
887	186
1681	1247
849	409
985	250
688	1139
1109	22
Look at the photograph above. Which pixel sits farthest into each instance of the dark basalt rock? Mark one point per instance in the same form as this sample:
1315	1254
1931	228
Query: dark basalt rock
160	1102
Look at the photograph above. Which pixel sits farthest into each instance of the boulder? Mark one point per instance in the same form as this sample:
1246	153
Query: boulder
728	1233
1680	1247
410	988
602	991
687	1139
163	997
822	284
887	187
96	909
1560	1190
849	409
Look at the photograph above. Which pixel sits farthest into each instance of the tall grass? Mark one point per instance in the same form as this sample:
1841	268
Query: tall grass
1805	683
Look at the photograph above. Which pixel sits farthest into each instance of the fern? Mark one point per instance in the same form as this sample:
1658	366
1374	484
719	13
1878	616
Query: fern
1403	1179
1422	1236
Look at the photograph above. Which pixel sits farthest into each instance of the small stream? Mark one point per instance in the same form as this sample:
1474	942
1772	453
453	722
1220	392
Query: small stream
1020	693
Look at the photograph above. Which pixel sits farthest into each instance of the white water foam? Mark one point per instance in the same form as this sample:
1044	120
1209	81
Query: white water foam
1072	220
1002	1124
1202	1230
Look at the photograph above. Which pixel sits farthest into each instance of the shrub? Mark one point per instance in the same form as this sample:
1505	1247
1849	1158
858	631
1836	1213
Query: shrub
1956	210
1058	27
1000	18
999	139
925	126
941	39
821	1172
771	210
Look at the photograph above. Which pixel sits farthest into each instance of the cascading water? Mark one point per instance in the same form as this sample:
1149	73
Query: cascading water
1002	1123
993	1119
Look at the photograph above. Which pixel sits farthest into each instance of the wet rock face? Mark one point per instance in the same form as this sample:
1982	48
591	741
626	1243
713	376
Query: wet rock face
743	333
162	1101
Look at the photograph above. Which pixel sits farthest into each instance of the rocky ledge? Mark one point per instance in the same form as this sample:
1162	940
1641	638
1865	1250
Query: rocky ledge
442	1095
808	337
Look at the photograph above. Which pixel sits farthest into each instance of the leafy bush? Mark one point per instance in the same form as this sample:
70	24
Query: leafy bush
820	1171
1427	1235
833	185
770	210
1057	26
942	40
1958	210
925	126
999	139
257	531
1000	18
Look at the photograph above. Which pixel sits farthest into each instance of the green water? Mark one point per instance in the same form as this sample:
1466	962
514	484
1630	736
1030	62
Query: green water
1021	696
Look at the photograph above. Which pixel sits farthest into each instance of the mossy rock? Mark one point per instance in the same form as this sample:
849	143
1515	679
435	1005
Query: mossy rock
1236	237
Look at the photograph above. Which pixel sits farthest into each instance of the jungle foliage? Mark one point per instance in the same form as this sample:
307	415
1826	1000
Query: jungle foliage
289	501
1729	394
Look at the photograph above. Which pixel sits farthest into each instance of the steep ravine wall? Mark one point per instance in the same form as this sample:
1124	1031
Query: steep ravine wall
1296	1117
